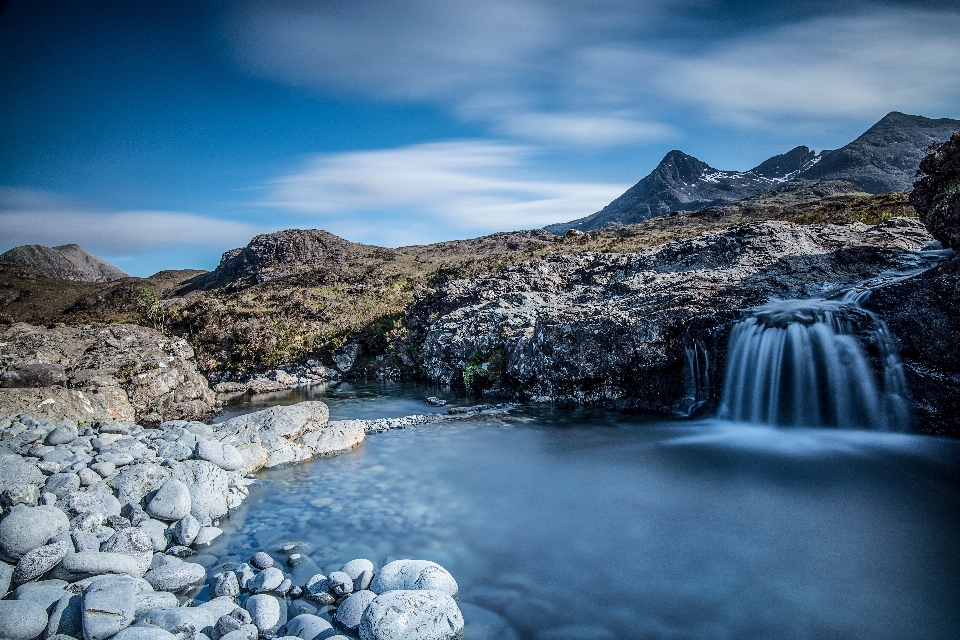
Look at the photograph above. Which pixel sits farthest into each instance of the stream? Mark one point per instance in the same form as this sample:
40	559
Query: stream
562	523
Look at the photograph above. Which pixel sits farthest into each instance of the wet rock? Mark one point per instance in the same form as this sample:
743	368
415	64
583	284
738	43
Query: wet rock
351	610
176	575
224	584
412	575
308	627
339	583
413	615
21	620
361	570
185	530
27	528
266	612
267	580
37	562
171	502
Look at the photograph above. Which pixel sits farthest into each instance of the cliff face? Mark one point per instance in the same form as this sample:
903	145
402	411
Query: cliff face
66	262
616	329
883	159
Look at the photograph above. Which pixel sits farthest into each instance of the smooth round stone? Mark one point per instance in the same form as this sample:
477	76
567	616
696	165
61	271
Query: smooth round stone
185	530
27	528
264	612
146	632
88	477
66	618
21	620
225	456
36	562
176	575
261	560
267	580
206	535
134	542
171	502
340	583
60	484
412	615
62	435
83	564
118	459
351	610
224	584
414	575
109	606
43	592
361	570
105	469
307	627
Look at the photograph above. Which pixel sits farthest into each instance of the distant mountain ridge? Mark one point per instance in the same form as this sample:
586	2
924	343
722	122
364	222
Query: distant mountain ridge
882	160
66	262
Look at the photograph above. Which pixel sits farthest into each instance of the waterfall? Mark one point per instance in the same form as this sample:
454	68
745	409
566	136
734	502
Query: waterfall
696	376
801	363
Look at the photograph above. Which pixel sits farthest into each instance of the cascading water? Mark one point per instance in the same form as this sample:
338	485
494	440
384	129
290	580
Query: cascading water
801	363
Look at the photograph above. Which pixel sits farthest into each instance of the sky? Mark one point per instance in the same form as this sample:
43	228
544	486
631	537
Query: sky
158	135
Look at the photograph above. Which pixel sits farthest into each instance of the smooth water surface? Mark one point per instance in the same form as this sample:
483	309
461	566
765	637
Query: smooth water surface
572	523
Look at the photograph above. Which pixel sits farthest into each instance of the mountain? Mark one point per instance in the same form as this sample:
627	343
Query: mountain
882	160
66	262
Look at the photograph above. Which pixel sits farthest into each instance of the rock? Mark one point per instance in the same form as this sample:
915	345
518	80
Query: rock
40	374
246	632
157	532
412	575
266	613
412	615
85	541
134	542
206	535
245	574
317	589
221	454
935	195
108	607
361	570
176	576
84	564
14	494
434	401
132	512
148	600
37	562
180	551
351	610
67	616
6	577
145	633
27	528
267	580
96	499
174	450
63	434
60	484
44	592
88	477
105	469
224	584
15	472
171	502
261	560
185	530
308	627
213	491
21	620
191	620
340	583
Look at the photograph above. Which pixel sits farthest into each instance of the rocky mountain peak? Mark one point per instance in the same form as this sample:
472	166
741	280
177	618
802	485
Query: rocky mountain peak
786	164
66	262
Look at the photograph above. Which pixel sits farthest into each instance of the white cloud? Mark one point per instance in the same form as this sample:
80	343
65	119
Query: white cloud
34	217
464	185
827	67
612	72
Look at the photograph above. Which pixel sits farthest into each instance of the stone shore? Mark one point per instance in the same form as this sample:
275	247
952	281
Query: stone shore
103	530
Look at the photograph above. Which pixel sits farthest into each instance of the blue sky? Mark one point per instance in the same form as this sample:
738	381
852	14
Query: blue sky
160	134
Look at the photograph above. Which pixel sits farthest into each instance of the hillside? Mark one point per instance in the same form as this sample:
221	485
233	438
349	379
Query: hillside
66	262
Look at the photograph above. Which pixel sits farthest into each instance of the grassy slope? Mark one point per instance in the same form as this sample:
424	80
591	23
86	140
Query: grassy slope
314	312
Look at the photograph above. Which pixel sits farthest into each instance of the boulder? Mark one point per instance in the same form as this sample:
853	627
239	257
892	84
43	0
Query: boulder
412	615
350	611
21	620
267	613
221	454
36	562
27	528
414	575
308	627
175	575
133	542
67	616
109	606
85	564
171	502
16	472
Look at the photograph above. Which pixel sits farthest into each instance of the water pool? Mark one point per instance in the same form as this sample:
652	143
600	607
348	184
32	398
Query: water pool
585	524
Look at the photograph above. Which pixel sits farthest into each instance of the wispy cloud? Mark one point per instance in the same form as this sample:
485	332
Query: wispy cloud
464	185
613	72
35	217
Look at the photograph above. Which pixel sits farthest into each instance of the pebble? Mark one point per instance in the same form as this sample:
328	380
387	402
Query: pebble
88	477
27	528
361	571
21	620
267	580
265	612
171	502
37	562
62	435
351	610
307	627
261	560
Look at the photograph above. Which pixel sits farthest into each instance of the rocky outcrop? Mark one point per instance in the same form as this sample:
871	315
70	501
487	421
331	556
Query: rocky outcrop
882	160
645	330
113	373
66	262
936	195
